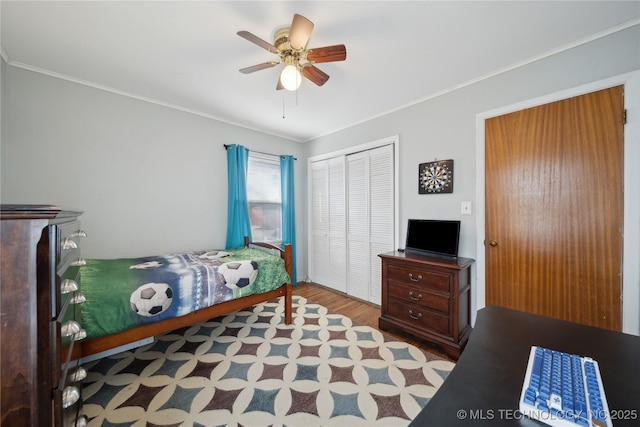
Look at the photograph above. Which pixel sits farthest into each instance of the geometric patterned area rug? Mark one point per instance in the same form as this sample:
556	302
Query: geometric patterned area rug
250	369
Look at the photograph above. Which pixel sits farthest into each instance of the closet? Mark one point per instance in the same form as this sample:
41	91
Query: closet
352	220
328	224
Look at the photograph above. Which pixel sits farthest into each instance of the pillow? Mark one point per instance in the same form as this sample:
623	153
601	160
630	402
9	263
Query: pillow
274	252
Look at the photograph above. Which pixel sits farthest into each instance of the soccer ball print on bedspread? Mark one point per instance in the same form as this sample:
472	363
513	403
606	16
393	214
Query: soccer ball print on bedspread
173	285
238	274
190	274
235	274
215	255
151	299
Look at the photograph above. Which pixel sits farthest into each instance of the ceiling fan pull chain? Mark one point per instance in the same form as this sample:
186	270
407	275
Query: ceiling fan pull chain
283	105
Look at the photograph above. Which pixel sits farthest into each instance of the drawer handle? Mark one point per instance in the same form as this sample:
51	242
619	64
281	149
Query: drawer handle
80	335
80	234
79	262
78	298
418	298
73	329
70	395
82	421
70	328
78	375
67	286
67	244
416	279
413	316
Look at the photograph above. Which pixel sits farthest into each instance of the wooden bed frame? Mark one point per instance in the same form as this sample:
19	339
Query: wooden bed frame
98	345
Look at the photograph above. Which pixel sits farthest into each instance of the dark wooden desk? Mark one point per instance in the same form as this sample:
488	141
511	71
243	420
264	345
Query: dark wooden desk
484	387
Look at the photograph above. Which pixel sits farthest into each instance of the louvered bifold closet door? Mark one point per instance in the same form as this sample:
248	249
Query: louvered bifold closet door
319	263
370	225
381	214
337	225
358	270
358	225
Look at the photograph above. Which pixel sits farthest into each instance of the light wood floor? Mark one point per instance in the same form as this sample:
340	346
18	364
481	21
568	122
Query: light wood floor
359	311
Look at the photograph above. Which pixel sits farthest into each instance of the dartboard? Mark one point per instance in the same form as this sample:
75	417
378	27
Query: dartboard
436	177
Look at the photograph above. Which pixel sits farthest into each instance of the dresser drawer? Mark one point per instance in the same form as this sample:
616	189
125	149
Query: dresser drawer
65	334
67	395
69	249
69	259
67	399
67	330
70	235
419	317
70	328
416	296
419	278
68	285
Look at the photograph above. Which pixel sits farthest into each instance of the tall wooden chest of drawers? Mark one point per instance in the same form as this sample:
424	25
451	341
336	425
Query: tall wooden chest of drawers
427	297
39	317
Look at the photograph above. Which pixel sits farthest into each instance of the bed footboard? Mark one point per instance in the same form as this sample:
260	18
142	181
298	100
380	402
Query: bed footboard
287	255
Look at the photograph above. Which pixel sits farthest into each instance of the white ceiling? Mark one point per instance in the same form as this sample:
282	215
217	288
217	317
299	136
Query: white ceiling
187	55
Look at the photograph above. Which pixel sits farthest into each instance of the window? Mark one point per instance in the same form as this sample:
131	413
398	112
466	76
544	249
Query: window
264	198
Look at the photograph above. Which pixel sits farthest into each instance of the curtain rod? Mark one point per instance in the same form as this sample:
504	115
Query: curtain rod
226	147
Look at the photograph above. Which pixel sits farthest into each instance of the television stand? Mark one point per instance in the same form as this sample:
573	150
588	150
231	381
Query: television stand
427	297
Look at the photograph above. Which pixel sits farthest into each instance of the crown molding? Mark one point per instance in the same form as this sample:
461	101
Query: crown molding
137	97
547	54
623	26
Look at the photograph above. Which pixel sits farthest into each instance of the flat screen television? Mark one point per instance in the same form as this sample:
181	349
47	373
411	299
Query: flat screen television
433	237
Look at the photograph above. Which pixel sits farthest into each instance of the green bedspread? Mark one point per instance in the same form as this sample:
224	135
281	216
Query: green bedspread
128	292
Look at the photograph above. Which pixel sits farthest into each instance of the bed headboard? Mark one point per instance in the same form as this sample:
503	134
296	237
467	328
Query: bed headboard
285	254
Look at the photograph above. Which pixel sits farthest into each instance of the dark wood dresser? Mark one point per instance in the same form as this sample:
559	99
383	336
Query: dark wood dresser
427	297
39	294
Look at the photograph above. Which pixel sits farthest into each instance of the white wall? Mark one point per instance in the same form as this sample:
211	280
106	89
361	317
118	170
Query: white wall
445	128
150	179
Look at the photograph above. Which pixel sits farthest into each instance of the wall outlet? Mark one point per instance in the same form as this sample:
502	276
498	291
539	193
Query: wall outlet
465	208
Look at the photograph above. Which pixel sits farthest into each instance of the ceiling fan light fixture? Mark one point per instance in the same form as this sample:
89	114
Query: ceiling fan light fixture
290	43
291	77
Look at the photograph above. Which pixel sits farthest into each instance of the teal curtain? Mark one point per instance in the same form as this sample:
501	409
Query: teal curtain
238	225
288	209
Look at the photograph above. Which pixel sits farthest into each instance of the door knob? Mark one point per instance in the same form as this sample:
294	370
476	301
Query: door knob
493	243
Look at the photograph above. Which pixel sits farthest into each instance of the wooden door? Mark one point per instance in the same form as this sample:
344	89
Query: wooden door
554	209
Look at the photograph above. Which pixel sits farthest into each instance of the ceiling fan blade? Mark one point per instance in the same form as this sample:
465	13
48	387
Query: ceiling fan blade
314	74
259	67
300	32
279	85
327	54
257	40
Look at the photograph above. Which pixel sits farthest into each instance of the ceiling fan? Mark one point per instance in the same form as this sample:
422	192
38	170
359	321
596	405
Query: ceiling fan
290	44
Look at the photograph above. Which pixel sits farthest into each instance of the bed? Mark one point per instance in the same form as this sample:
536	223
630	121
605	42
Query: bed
128	300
